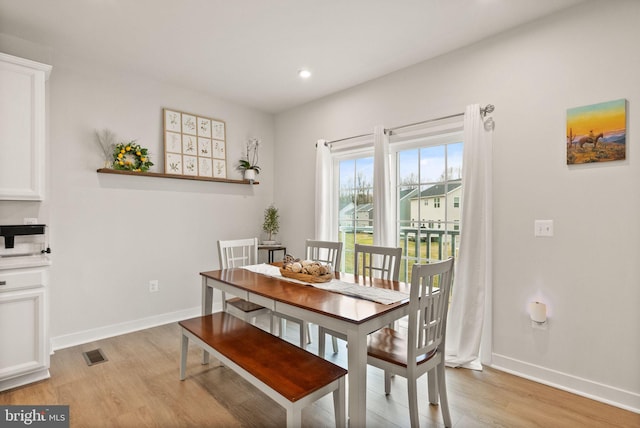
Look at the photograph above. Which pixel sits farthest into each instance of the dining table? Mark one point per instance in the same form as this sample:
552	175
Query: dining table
355	317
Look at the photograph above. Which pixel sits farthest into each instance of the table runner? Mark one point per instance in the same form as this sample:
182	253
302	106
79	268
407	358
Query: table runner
378	295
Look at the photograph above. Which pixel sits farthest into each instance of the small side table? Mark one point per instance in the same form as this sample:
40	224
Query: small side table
271	249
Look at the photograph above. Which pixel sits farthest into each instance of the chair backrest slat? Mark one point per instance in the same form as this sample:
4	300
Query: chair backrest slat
328	252
377	262
428	306
238	252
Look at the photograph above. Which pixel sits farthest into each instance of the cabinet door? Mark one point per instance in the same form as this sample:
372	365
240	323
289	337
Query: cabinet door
22	332
22	129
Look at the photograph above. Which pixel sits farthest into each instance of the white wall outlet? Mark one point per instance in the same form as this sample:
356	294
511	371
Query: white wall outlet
30	220
543	228
153	286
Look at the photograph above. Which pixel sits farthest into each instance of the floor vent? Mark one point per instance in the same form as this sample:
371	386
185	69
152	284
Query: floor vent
94	357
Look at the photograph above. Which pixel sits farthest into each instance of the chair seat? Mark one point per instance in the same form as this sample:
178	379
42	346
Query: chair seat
389	345
244	305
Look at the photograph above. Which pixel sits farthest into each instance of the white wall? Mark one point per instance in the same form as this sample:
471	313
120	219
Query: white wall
588	273
111	234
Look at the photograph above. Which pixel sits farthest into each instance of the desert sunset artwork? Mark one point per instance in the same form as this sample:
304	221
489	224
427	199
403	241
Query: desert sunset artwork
597	132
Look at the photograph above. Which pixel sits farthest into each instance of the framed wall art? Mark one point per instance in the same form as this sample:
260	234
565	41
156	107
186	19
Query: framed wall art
194	145
597	132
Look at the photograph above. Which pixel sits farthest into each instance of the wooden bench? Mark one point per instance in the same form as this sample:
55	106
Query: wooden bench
291	376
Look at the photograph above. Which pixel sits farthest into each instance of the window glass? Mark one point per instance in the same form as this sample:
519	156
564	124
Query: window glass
432	164
429	195
355	212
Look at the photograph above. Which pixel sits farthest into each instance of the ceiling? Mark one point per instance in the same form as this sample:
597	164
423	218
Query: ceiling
249	51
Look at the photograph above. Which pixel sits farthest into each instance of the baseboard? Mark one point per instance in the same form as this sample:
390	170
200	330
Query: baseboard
617	397
25	379
86	336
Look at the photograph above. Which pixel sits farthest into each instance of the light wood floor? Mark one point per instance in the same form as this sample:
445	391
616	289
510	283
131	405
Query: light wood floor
139	387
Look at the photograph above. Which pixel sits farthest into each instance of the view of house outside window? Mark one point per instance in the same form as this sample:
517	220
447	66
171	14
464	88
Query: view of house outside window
429	195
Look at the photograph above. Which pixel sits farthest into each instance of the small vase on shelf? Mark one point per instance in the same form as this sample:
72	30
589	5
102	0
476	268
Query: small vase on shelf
250	175
250	165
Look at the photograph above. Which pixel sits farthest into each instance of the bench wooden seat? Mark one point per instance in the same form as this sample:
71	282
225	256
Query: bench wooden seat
291	376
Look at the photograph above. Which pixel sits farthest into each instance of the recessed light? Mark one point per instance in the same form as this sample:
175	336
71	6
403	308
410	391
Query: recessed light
304	73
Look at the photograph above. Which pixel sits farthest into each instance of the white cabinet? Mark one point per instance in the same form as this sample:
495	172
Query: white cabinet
24	339
22	128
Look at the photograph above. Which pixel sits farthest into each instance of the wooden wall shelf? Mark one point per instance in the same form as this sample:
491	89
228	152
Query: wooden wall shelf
179	177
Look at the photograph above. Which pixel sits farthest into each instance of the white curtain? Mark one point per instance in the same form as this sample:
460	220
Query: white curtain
323	193
473	275
383	219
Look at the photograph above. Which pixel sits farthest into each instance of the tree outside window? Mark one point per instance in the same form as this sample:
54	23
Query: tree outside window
355	216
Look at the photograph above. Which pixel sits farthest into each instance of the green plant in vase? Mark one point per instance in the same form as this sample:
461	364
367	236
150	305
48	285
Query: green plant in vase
271	224
249	166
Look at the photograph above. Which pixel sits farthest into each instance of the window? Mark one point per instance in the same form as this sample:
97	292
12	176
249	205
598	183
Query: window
426	175
428	168
355	207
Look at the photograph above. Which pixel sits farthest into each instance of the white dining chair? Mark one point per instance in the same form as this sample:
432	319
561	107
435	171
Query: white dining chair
421	350
327	252
238	253
371	261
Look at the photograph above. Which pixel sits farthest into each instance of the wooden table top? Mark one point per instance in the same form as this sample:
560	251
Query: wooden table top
348	308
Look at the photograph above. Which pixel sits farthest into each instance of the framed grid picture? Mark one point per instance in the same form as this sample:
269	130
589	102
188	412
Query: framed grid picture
194	145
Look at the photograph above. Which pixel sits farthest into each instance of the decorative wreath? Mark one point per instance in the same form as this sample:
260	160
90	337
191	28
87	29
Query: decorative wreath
131	157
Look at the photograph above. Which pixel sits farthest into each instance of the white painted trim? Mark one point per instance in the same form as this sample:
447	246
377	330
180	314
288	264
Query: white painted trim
86	336
46	68
25	379
617	397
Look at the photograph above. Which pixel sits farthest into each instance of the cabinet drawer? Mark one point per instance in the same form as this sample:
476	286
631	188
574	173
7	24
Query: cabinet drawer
21	278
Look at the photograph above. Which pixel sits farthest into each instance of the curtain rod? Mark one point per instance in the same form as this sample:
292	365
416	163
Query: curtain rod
326	143
489	108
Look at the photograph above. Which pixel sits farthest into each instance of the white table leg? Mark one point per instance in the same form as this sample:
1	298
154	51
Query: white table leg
207	309
357	366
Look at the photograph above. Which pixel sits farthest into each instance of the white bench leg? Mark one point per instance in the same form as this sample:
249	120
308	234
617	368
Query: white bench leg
339	404
183	356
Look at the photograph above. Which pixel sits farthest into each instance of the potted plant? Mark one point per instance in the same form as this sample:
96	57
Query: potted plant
249	166
271	223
